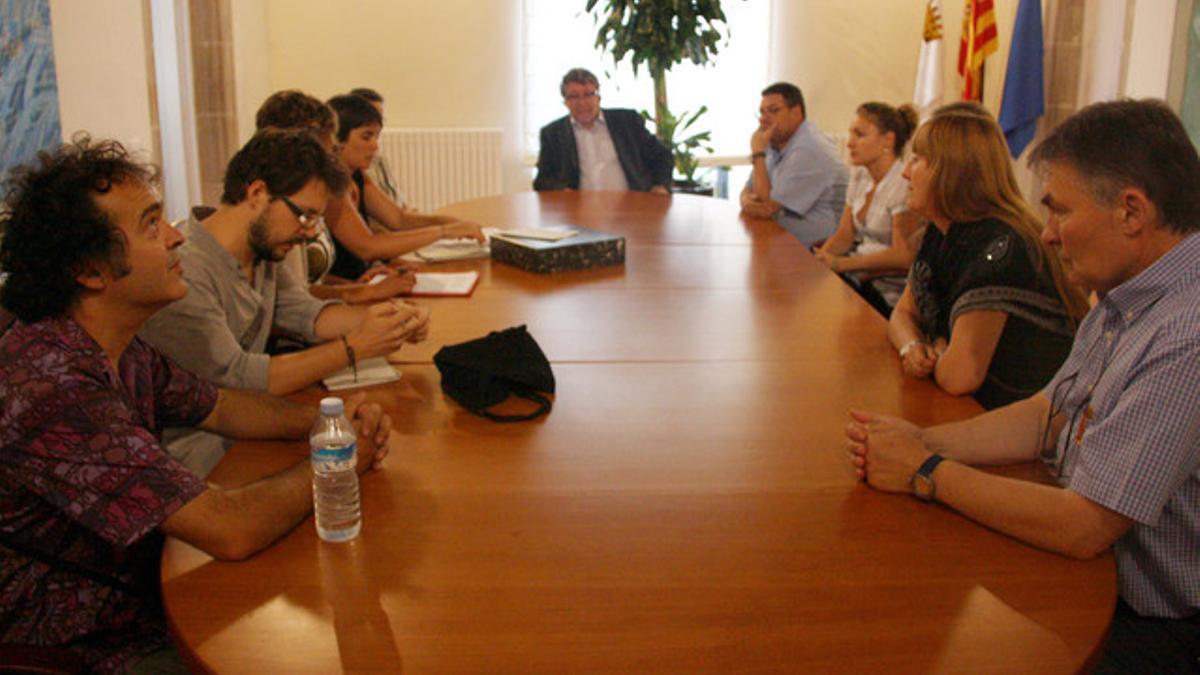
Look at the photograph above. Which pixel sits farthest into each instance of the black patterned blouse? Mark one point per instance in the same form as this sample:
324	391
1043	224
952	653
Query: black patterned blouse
986	265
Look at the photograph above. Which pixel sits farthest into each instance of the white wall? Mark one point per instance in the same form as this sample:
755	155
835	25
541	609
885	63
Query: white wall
458	62
251	62
101	64
450	63
1150	42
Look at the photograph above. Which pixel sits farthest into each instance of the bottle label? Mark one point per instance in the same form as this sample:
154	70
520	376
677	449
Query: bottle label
338	454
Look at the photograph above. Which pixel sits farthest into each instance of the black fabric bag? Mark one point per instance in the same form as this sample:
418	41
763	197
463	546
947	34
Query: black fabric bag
480	373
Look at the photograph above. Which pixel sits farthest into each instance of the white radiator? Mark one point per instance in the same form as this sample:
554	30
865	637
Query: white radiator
435	167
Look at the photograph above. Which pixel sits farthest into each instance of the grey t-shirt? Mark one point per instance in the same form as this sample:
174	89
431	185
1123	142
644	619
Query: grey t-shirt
219	330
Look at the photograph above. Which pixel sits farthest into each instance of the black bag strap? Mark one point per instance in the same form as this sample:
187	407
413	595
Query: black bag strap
543	408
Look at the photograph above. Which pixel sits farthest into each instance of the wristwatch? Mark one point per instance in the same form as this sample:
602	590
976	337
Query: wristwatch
923	486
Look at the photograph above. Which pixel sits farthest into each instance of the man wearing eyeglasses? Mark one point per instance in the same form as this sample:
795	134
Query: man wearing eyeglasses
797	178
276	188
1119	424
599	149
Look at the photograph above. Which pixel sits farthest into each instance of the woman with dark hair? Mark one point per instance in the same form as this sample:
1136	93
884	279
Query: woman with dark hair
872	246
359	125
379	172
987	309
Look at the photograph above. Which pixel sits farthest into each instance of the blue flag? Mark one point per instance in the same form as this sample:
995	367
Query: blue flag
1024	98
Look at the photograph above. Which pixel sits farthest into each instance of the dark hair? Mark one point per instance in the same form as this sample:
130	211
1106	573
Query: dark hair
293	109
578	76
901	121
286	160
353	112
1118	144
53	228
369	94
791	95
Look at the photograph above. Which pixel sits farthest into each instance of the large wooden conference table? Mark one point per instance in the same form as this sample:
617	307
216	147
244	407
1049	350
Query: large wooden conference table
687	506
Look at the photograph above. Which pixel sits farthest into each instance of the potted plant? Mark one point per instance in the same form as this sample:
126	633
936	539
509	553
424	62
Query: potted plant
672	131
660	34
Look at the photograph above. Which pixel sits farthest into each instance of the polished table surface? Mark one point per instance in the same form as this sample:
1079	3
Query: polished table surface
686	506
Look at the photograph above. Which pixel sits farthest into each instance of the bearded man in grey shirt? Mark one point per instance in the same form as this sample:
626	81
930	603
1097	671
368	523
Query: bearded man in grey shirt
276	188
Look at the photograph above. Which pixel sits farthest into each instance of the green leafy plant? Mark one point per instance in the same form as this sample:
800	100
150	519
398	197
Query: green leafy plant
658	34
672	132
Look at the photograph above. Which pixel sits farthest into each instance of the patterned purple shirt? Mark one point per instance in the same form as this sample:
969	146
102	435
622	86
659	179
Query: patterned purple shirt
1132	438
84	484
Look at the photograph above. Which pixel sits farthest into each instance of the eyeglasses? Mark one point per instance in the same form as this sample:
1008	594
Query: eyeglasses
308	220
581	97
1081	413
1051	453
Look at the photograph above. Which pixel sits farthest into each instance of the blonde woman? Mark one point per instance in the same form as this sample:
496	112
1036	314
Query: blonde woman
872	246
987	309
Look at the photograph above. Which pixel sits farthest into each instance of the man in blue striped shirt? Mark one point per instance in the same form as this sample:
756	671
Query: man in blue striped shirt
1119	424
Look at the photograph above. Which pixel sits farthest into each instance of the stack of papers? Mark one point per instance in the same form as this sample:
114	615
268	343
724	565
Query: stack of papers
370	371
445	250
542	233
449	249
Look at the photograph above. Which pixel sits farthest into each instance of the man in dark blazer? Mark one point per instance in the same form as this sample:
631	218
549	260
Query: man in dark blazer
594	149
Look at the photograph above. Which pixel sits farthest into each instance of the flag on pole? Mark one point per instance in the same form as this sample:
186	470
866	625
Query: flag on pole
1024	92
927	94
978	41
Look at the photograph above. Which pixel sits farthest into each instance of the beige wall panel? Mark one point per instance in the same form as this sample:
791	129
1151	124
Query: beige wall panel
450	63
102	67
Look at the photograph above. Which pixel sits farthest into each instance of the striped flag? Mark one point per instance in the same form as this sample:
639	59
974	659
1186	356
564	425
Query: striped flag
927	94
979	40
1024	91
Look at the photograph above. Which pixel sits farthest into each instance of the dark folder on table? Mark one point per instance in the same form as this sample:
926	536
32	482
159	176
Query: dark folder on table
583	249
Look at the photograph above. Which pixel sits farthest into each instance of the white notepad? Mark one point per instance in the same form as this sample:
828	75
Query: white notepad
448	283
370	371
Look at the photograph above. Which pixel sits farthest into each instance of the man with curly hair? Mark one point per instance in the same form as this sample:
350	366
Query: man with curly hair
86	488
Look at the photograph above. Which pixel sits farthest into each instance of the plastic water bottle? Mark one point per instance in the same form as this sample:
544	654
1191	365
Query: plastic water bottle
335	480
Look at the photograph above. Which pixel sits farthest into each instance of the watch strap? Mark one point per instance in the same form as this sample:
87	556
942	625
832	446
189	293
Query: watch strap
924	475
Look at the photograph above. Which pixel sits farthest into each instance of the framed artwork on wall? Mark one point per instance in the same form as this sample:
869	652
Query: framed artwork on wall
29	119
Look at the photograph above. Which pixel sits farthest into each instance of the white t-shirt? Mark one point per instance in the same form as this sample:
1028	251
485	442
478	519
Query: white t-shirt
874	232
599	166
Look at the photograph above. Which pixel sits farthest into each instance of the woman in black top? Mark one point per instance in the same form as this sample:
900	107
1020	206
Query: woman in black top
359	125
987	309
345	263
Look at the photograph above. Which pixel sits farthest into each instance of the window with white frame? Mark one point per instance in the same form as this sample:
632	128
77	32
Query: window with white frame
560	35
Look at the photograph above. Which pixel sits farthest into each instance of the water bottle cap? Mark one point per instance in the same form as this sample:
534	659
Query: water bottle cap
332	406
